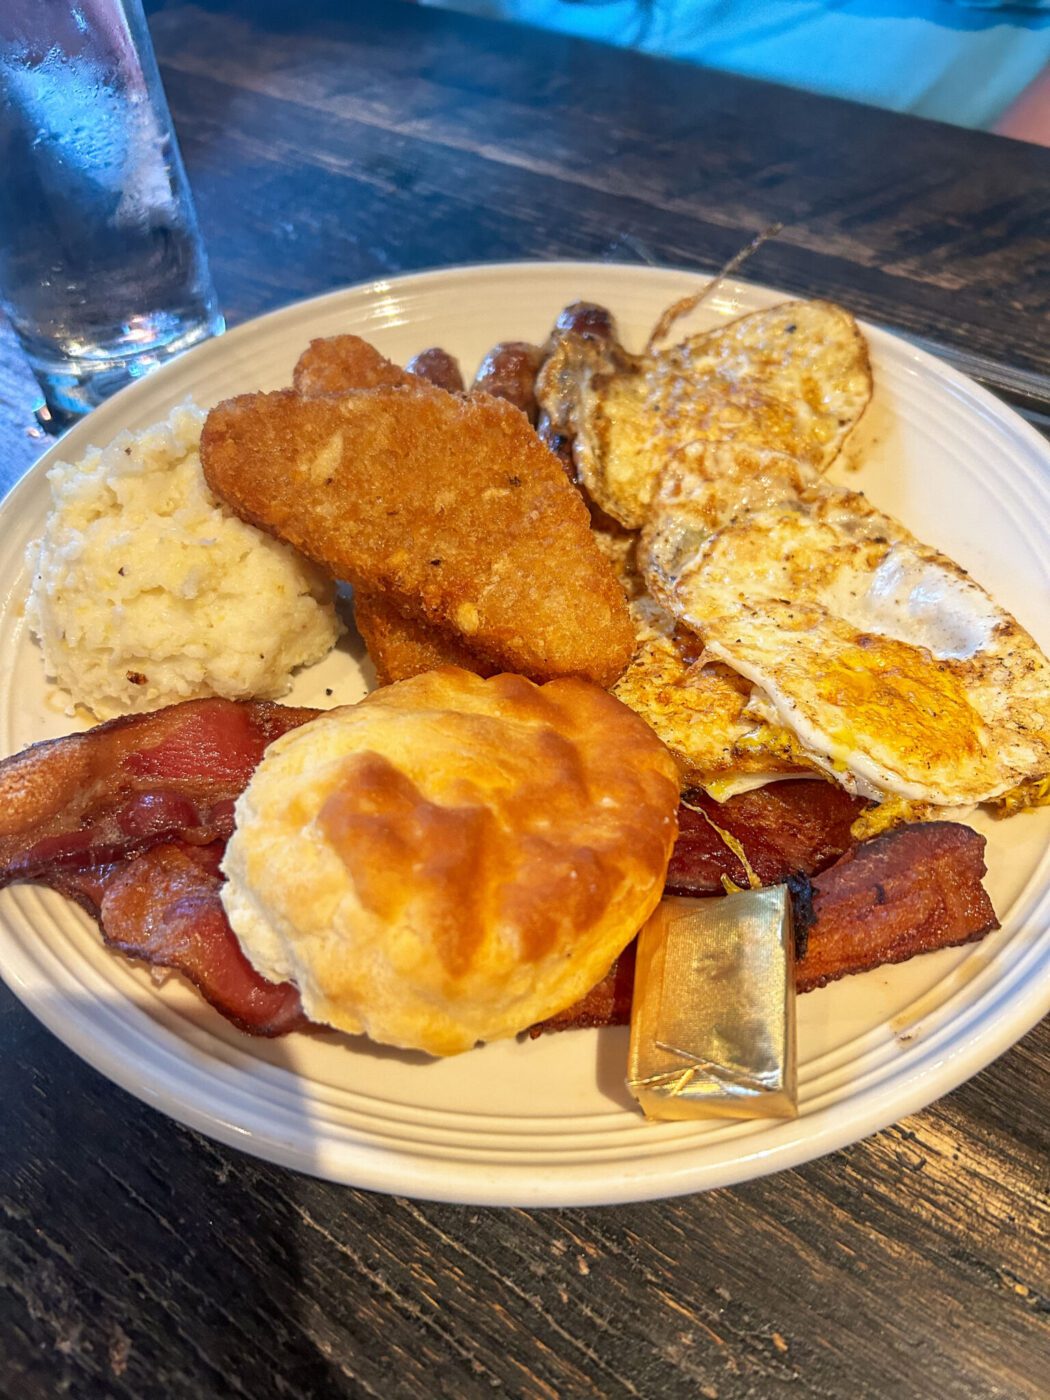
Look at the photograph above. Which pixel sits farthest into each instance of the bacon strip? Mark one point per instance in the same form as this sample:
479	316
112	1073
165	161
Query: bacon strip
911	891
783	828
608	1003
131	818
163	906
132	783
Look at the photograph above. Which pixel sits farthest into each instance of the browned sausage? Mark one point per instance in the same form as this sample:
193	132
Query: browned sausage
588	319
509	371
439	367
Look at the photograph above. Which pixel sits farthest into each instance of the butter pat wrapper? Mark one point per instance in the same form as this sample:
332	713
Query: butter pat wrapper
713	1017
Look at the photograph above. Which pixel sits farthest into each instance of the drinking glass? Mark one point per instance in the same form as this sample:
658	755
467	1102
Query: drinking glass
102	270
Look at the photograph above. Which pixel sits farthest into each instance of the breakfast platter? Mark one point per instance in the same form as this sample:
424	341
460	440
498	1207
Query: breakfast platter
548	1121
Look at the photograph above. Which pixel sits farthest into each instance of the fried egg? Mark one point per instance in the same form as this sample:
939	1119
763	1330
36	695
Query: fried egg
698	711
702	489
701	713
794	378
895	671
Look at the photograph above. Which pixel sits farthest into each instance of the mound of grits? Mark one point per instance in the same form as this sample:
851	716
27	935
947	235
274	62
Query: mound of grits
145	590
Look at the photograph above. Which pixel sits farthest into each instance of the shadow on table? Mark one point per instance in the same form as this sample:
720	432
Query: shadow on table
151	1260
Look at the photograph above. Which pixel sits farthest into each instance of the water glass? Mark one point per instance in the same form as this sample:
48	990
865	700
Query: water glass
102	270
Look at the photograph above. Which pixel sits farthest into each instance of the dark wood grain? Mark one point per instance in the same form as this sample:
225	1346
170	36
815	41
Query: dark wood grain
548	147
139	1259
329	143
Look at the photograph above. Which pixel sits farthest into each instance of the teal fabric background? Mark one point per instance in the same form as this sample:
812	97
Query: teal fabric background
956	62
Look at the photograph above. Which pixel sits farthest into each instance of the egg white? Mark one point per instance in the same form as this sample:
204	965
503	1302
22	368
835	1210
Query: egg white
896	672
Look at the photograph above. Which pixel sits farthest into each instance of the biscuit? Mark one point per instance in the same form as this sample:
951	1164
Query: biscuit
454	858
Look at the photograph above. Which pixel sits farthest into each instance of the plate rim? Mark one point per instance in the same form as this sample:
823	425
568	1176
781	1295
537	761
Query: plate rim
536	1185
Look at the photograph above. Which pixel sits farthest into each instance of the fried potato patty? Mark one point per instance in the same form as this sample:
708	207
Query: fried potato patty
400	647
450	507
341	362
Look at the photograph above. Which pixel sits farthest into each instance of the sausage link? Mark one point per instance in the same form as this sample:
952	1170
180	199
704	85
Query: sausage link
439	367
588	319
509	372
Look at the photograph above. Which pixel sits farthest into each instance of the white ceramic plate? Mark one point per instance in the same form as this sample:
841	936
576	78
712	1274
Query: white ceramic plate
548	1122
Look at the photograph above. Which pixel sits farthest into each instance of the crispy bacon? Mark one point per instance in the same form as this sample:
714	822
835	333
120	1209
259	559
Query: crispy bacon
913	890
163	906
801	825
131	783
131	820
85	886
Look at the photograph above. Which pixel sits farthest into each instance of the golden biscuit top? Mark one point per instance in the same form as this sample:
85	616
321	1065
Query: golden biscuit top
452	858
536	820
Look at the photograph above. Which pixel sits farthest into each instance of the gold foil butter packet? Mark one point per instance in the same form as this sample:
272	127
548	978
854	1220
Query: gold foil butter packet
713	1017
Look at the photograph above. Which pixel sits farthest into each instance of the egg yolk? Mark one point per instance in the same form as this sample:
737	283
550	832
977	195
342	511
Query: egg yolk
903	701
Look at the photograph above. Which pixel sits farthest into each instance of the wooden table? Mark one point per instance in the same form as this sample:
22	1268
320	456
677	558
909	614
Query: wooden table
331	142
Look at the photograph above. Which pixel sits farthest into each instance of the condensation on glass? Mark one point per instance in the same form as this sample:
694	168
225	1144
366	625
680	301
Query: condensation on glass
102	270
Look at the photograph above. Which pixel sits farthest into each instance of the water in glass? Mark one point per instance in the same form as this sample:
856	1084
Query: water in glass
102	270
